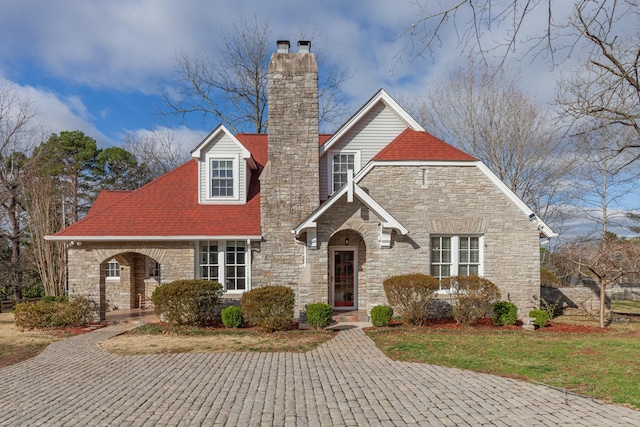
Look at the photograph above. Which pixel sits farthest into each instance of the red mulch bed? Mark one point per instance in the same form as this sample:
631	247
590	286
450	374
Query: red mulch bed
77	330
487	324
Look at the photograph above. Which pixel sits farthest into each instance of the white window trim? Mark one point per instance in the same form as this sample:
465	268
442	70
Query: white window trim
222	264
455	255
236	176
106	276
356	165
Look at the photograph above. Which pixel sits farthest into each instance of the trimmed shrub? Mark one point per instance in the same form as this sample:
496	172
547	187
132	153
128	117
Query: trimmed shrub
53	314
231	317
381	315
505	313
410	294
187	302
475	297
270	308
319	315
540	316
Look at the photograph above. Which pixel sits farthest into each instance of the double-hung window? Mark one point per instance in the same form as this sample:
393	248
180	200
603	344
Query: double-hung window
341	163
225	262
222	178
456	256
112	270
209	266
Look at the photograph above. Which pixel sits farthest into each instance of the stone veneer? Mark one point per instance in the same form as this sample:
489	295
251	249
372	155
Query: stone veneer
454	201
289	184
87	270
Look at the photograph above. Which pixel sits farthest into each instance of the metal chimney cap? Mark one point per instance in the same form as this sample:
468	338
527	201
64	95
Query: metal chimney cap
283	46
304	46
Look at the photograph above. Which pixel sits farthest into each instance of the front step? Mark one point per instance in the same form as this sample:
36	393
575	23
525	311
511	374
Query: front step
350	316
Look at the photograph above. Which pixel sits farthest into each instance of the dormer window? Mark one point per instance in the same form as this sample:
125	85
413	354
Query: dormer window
223	178
341	163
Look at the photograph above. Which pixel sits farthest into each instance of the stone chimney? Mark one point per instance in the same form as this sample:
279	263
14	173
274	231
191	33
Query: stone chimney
289	185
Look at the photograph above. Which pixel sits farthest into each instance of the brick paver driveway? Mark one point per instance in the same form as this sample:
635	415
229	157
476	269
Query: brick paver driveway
346	381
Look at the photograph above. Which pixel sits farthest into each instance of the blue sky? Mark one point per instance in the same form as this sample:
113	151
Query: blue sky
98	66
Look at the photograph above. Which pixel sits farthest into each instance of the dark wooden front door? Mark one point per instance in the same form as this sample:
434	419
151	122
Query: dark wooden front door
344	278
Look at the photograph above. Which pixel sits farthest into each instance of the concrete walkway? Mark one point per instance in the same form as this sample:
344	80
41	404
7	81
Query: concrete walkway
345	382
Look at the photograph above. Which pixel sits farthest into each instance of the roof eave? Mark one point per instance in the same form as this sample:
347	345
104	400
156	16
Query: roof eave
148	238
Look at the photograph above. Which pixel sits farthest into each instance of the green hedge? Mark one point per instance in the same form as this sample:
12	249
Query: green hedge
319	315
410	294
187	302
270	308
62	313
505	313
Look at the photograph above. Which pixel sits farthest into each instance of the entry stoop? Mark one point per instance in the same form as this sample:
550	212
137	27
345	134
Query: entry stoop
350	316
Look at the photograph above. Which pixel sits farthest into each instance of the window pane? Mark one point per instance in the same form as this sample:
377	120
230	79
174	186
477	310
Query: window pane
208	261
222	178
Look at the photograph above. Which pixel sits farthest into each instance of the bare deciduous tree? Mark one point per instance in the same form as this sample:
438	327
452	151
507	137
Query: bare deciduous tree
230	86
602	176
605	261
487	115
17	137
44	218
160	150
604	31
605	90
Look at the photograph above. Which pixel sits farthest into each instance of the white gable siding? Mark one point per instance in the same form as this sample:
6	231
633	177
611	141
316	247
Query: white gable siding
371	134
224	147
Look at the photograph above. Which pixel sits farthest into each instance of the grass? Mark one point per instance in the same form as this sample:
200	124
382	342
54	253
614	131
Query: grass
156	338
600	364
17	345
625	306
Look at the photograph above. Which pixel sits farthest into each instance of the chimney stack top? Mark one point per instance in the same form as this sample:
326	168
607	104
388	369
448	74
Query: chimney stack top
304	46
283	46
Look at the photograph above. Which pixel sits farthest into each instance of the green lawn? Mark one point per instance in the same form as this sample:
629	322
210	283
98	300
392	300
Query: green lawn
603	364
626	306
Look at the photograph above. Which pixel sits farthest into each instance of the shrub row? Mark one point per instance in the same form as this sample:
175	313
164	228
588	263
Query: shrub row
54	312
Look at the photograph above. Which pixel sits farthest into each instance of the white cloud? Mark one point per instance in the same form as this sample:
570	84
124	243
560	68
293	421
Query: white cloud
55	114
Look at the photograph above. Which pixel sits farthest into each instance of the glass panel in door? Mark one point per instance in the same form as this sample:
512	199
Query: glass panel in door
344	279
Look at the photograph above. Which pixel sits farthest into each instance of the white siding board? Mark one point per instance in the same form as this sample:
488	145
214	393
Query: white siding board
371	134
222	146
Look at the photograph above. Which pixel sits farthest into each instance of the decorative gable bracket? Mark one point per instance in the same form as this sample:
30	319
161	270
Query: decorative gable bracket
384	236
351	190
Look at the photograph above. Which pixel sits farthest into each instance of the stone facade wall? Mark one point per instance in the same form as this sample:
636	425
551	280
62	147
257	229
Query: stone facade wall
456	200
87	274
289	184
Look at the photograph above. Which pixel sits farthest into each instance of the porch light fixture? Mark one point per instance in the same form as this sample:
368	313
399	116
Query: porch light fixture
346	241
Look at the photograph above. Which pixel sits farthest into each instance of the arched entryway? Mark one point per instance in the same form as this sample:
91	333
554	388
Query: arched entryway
347	284
127	281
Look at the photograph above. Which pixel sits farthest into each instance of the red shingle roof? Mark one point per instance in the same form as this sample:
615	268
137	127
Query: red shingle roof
416	145
168	206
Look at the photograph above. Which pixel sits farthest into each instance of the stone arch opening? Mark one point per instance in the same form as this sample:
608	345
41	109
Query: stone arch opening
131	286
